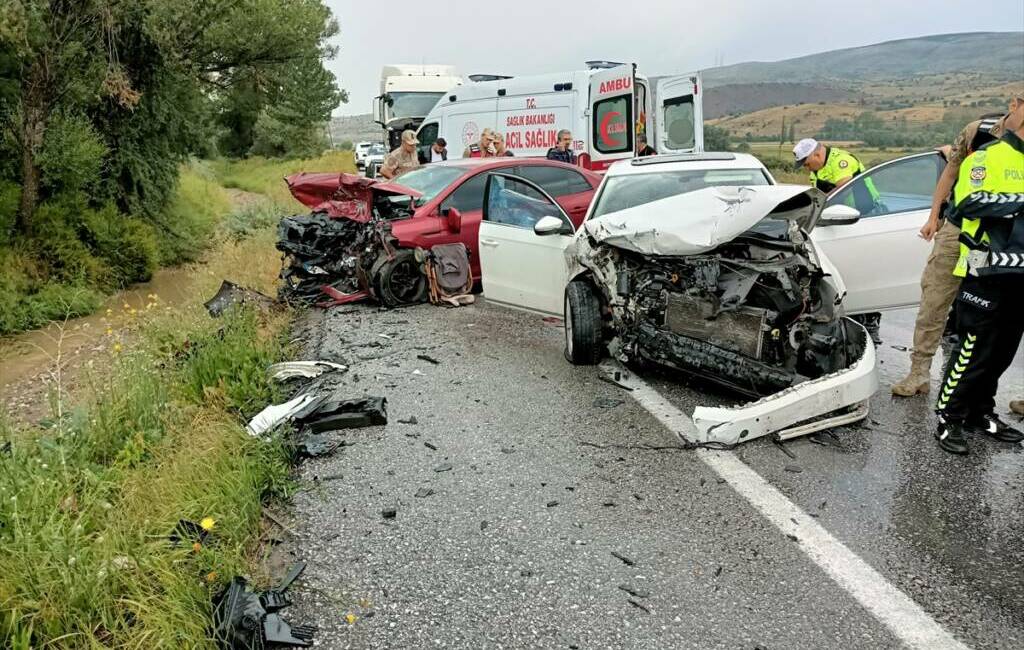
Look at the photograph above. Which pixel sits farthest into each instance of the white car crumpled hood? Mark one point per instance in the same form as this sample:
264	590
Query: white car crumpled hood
697	222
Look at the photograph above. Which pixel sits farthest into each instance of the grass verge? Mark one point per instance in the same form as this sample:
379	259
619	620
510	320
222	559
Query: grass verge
87	500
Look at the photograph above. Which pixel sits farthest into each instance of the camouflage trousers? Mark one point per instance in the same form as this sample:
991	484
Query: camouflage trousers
938	288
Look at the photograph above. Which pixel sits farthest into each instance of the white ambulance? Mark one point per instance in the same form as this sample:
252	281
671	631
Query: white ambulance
604	107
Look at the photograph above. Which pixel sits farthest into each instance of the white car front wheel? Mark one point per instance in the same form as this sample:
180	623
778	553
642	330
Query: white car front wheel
582	324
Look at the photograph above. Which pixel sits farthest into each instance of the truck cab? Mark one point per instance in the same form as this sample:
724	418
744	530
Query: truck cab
408	92
605	107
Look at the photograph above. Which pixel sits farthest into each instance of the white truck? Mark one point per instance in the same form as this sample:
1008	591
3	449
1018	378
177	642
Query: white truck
407	93
605	107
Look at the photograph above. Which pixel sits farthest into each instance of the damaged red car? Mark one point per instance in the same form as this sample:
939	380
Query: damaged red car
362	235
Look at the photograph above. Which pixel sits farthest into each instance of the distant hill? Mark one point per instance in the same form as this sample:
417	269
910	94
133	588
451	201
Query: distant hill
356	128
736	99
1000	55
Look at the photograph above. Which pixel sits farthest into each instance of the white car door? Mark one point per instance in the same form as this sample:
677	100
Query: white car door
519	267
880	256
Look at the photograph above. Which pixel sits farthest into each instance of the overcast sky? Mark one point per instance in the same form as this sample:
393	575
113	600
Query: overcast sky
662	36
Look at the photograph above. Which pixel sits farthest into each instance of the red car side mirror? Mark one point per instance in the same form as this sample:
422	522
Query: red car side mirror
454	220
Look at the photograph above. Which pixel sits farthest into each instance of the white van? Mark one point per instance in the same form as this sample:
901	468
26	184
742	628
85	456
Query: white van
604	107
360	150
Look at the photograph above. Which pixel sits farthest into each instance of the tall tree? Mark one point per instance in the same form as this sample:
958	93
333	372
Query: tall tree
148	72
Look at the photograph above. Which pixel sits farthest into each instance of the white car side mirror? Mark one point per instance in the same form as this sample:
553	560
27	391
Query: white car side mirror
549	226
838	215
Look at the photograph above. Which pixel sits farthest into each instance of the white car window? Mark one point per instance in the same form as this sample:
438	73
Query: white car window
516	204
900	186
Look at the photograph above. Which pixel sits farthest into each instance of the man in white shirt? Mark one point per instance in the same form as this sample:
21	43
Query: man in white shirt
439	150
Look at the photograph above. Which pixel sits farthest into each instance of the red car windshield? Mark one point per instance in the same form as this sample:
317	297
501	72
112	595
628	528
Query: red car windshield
429	180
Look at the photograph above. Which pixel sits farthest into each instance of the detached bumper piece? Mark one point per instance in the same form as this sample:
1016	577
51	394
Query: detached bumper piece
246	620
828	401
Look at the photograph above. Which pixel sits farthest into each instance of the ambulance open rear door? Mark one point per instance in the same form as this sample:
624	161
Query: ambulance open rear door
679	119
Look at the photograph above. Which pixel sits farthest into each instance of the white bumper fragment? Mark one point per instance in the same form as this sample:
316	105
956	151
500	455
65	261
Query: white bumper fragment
798	410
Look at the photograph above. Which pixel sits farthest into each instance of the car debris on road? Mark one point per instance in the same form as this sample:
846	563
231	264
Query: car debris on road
246	620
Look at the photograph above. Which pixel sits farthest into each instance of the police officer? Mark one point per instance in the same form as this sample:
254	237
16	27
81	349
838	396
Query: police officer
988	201
938	284
831	168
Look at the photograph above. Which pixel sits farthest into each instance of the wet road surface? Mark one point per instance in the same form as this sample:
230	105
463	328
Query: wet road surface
539	507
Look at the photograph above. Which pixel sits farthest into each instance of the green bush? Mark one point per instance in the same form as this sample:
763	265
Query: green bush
56	243
71	159
127	246
10	195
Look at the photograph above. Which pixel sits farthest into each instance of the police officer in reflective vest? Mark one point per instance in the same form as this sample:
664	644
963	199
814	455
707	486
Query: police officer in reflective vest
831	168
988	200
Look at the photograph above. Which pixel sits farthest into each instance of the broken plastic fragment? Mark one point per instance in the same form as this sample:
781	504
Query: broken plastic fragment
308	369
276	414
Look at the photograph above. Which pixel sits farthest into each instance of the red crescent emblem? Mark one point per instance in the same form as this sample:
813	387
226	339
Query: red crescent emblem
603	129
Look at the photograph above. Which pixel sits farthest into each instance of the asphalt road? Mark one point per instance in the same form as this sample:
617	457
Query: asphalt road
539	507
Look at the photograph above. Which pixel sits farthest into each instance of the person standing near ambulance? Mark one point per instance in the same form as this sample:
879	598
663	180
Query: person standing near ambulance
988	202
480	149
563	150
403	158
938	284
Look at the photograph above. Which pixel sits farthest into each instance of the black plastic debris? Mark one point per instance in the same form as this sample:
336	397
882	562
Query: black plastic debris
246	620
625	559
231	294
333	412
188	531
316	444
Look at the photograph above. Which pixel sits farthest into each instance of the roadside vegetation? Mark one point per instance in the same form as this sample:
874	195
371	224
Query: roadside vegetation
263	175
90	496
102	103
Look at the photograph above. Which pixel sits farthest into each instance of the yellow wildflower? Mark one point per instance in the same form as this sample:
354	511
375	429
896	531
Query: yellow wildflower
207	523
117	348
350	618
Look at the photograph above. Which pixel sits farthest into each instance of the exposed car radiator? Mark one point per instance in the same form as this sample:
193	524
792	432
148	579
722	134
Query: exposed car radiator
711	362
740	330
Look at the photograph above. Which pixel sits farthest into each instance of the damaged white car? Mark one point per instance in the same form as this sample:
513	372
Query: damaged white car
699	263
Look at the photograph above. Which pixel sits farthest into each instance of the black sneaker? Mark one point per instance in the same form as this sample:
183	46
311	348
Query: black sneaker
991	426
951	437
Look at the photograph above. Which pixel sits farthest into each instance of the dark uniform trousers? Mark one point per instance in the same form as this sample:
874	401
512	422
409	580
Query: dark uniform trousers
990	324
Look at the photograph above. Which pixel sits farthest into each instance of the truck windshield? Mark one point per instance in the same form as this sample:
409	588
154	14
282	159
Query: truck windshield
429	180
631	190
412	104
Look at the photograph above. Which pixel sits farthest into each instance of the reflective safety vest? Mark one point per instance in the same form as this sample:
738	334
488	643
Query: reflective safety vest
989	202
840	164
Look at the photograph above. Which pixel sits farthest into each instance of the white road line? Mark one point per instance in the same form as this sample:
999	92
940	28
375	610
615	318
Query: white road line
897	611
